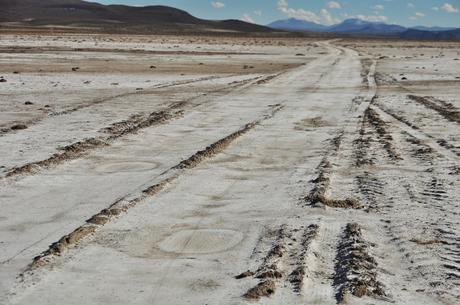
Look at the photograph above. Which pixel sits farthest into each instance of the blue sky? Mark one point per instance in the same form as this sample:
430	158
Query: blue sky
404	12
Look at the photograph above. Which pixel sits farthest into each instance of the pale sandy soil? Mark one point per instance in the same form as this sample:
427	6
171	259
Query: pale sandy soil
165	167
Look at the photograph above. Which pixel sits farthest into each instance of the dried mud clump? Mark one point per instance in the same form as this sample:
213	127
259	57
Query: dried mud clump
244	275
269	268
356	269
137	122
267	79
63	244
19	127
263	289
213	149
308	123
155	189
426	242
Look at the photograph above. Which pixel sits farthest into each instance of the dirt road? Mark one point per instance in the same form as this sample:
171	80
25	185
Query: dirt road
308	185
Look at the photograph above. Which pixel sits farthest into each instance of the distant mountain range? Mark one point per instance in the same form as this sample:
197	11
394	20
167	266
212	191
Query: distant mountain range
77	13
297	25
358	27
160	19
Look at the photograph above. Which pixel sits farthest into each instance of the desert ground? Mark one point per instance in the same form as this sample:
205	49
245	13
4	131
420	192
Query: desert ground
206	170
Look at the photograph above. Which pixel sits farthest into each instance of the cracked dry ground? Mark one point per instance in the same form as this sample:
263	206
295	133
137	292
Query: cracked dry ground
317	183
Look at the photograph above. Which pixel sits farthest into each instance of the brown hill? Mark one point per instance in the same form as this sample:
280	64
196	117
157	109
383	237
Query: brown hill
76	13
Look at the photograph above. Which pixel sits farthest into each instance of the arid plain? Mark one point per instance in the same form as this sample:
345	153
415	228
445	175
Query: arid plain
206	170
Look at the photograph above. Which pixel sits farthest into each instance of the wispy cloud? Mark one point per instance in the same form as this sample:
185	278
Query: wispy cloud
283	7
217	4
247	18
334	5
375	18
449	8
323	17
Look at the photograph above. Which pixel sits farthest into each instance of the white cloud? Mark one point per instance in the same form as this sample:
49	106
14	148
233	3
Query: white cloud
435	8
334	4
247	18
258	13
302	14
417	15
282	3
323	17
371	18
327	17
379	7
376	18
217	4
447	7
411	5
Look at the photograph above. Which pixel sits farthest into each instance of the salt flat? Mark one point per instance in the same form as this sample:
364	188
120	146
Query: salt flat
205	170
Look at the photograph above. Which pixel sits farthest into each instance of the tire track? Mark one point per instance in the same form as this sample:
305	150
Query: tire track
356	269
319	192
298	275
371	188
446	110
117	130
418	202
322	184
425	204
150	90
439	145
286	262
81	148
123	205
98	101
384	137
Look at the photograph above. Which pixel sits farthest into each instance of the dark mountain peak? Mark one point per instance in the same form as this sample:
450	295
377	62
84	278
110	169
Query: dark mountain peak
362	27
